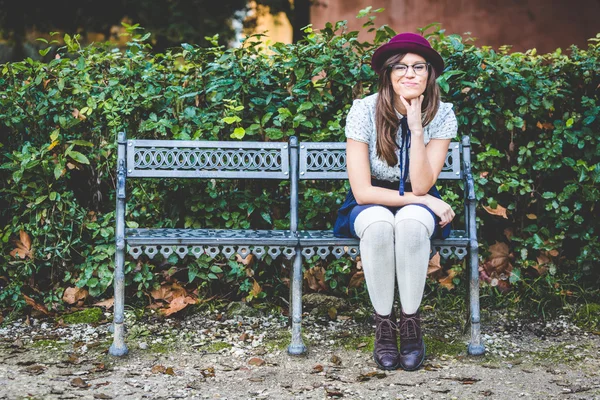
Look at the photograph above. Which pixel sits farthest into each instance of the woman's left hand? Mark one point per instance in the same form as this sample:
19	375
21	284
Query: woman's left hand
413	113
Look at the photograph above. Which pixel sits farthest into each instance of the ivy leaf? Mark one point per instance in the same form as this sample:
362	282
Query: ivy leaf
238	133
266	217
80	158
216	269
58	171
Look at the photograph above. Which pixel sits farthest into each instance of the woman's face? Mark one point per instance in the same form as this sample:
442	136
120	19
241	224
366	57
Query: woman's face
406	81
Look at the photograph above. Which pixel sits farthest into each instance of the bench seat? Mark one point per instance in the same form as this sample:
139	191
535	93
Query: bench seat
324	243
211	242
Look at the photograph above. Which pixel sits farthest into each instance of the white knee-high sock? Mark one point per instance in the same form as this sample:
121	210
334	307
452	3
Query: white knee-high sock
375	228
413	227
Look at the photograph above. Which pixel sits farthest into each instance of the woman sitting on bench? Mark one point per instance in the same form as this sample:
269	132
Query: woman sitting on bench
397	144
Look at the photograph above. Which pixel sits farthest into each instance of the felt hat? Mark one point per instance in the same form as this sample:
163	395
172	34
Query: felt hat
407	43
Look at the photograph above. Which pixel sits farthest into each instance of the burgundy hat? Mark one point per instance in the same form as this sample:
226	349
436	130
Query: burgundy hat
407	43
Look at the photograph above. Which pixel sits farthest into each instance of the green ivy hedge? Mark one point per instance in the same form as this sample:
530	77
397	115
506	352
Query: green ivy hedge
534	120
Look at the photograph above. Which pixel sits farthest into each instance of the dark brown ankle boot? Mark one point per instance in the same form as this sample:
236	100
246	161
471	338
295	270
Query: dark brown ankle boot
385	351
412	346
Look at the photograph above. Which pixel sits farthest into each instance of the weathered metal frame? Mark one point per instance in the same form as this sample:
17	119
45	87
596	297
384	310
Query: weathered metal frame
310	160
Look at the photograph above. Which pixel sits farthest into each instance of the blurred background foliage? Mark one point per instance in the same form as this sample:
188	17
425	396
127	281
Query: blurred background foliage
533	120
171	22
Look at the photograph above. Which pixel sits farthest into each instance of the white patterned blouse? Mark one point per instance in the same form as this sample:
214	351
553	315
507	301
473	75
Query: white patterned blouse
360	126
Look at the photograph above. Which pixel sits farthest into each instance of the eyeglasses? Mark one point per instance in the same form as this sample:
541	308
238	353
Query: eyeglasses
402	69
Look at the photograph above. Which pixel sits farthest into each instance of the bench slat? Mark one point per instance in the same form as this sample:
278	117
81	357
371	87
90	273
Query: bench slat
207	159
163	236
326	160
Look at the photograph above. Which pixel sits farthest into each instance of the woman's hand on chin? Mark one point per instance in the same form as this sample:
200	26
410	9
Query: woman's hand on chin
413	113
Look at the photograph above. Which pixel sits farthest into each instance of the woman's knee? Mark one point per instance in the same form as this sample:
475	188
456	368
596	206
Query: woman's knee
375	223
414	222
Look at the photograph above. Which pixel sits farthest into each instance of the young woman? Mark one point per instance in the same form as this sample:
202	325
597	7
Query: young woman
397	141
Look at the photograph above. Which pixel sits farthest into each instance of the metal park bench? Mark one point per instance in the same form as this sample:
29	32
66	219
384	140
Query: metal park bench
291	161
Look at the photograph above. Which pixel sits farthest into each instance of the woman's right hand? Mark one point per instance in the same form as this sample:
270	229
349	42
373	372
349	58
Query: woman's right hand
441	209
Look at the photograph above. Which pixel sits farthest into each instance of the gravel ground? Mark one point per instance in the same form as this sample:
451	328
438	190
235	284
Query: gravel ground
213	355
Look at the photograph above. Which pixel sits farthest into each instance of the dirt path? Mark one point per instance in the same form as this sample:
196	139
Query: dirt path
215	356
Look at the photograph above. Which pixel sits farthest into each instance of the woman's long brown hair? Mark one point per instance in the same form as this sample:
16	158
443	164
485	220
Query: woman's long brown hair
386	120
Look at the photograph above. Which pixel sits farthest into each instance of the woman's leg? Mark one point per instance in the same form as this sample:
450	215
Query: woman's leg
374	225
413	228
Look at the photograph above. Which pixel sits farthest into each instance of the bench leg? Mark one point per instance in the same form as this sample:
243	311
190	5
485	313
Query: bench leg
119	348
475	347
297	346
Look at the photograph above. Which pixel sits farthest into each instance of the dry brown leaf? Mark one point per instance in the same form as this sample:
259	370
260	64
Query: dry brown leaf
258	362
316	369
434	264
78	115
75	295
108	303
508	232
80	383
465	90
168	291
500	258
35	369
545	125
158	369
36	306
336	360
316	278
246	261
208	372
170	371
497	269
484	174
531	216
447	281
23	248
543	260
357	279
178	304
499	210
369	375
256	289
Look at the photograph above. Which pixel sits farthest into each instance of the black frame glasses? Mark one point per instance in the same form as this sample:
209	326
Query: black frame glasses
420	68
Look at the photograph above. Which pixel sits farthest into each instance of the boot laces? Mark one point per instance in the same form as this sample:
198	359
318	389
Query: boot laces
384	324
410	328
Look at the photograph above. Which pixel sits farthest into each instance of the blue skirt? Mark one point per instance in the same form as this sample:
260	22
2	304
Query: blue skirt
344	224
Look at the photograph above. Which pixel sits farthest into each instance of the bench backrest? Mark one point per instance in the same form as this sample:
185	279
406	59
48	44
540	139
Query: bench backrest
207	159
291	161
327	160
